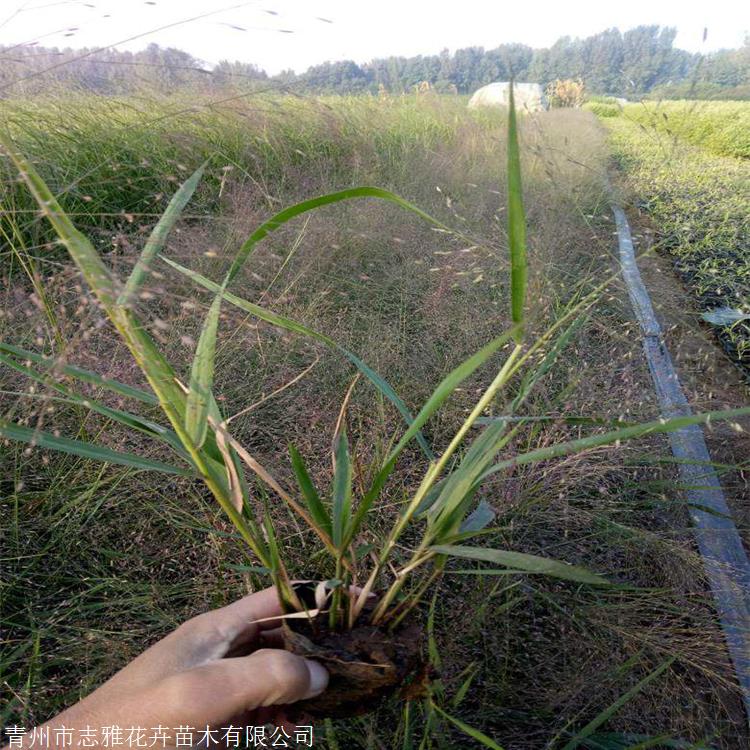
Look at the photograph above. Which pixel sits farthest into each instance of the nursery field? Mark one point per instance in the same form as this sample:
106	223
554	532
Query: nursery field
686	162
722	128
103	557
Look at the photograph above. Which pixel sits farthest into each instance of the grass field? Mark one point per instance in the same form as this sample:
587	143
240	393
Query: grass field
723	128
696	198
101	560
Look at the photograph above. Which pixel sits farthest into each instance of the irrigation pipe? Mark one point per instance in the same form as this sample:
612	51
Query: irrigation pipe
720	546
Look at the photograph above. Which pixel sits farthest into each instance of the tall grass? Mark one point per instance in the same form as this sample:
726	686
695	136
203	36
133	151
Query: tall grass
130	155
517	385
199	433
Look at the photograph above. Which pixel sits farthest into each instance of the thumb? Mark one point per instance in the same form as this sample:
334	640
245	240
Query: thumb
280	677
217	691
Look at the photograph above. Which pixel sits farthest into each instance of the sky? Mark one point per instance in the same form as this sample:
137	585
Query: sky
281	34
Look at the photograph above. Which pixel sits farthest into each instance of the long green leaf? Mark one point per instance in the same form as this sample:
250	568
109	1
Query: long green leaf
84	450
446	388
472	732
291	325
447	512
309	493
521	561
289	601
608	712
159	234
516	220
202	377
160	375
562	418
133	421
387	390
80	248
342	491
104	285
471	672
607	438
85	376
631	741
484	572
267	227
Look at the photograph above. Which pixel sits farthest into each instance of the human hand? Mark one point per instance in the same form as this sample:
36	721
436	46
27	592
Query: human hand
219	668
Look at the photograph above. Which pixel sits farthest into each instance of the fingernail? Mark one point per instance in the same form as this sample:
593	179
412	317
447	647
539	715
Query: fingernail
318	678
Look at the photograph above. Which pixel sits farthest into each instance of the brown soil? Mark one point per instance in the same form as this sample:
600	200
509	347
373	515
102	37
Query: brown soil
366	664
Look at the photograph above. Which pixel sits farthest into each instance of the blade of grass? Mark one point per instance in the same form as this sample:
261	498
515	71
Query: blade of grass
158	237
133	421
279	219
630	741
433	650
309	493
521	561
45	440
236	488
85	376
516	221
291	325
342	491
289	600
475	734
202	377
259	470
471	672
626	433
406	723
608	712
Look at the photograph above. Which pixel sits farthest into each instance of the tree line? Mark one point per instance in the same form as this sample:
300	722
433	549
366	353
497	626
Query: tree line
639	62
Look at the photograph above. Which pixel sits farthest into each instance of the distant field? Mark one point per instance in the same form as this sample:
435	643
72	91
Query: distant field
698	200
101	559
720	127
117	161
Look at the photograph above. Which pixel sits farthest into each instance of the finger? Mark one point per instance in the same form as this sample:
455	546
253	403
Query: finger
214	692
243	620
233	629
281	677
272	638
210	636
260	609
266	639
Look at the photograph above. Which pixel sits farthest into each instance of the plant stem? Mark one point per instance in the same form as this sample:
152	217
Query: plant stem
333	613
431	476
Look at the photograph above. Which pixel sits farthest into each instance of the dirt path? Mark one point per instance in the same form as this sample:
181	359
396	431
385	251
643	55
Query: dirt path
709	379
